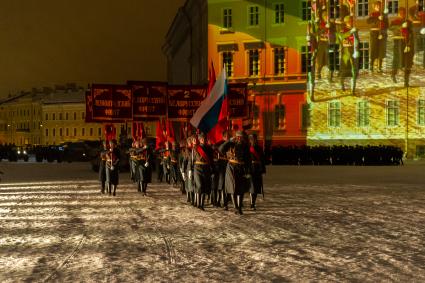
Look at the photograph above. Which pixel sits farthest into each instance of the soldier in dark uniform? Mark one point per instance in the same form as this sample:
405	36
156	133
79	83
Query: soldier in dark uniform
378	34
258	168
201	164
220	164
182	166
322	56
102	165
174	165
238	169
112	167
145	159
166	161
132	161
403	45
349	40
188	170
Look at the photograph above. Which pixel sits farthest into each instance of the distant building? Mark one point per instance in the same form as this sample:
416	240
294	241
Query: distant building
48	117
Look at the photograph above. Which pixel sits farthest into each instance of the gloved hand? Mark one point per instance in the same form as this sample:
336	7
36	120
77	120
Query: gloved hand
168	166
356	54
184	177
112	168
380	18
248	176
404	25
146	164
190	174
353	30
407	49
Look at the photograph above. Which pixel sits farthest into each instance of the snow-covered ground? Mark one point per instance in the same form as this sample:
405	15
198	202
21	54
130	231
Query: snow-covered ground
315	224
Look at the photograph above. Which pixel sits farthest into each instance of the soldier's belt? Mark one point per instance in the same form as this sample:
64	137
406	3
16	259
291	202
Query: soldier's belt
141	159
398	37
103	159
375	29
236	162
324	39
347	45
201	163
173	161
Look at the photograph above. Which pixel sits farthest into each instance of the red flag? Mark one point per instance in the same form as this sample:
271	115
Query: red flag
170	131
134	131
141	131
211	78
160	139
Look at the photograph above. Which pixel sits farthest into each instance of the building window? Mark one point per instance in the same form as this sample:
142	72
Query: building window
334	57
66	116
67	132
305	112
228	63
47	116
60	116
392	7
279	13
99	132
305	59
306	10
60	132
75	132
279	117
254	15
83	131
393	113
54	132
75	115
364	55
334	8
362	8
421	112
363	113
420	151
254	62
91	132
334	114
227	18
47	132
54	116
279	61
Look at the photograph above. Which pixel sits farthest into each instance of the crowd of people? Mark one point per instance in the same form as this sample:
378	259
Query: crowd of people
337	155
220	172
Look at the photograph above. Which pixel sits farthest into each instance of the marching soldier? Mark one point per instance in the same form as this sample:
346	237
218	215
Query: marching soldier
182	166
258	168
322	56
112	167
145	159
132	160
174	165
102	165
188	170
201	162
403	45
220	165
166	161
378	34
349	40
238	169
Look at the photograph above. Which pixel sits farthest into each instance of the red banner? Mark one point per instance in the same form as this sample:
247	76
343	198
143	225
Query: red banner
183	101
149	99
112	103
237	95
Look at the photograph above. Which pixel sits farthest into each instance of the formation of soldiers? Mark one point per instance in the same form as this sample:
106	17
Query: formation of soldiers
337	155
327	34
109	167
219	173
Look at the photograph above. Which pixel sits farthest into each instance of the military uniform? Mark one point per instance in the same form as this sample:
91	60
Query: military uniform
174	166
112	170
403	48
378	37
201	162
220	164
102	169
145	160
166	163
348	40
258	168
133	164
187	168
237	171
417	15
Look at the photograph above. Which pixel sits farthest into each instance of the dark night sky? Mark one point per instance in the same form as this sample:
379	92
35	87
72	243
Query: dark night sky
45	42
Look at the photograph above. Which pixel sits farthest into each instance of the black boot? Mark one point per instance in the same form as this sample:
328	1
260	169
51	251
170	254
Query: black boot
139	186
145	188
188	197
103	188
253	200
239	201
109	188
115	190
225	201
202	196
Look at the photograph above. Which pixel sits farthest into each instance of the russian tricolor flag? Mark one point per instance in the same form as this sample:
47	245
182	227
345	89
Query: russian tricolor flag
213	110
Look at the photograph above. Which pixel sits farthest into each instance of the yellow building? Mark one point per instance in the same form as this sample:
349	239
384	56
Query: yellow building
380	111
